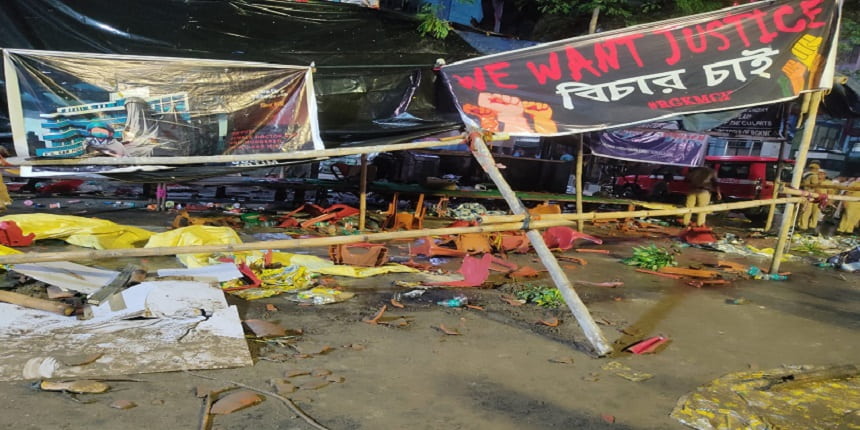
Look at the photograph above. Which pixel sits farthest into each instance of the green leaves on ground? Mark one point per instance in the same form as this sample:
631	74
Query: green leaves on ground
543	296
651	257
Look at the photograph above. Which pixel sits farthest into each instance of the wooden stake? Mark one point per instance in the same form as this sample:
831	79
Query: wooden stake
580	312
580	224
799	166
362	196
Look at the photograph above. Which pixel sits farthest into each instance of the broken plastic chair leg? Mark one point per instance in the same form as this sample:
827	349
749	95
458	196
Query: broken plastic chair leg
359	254
561	237
428	248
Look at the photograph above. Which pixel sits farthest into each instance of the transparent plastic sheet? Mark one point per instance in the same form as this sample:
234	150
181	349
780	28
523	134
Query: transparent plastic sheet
371	64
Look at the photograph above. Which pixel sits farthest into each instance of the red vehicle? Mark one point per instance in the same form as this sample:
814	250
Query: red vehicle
740	178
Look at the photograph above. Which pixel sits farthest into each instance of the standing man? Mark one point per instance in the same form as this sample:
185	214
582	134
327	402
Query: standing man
703	182
809	211
851	210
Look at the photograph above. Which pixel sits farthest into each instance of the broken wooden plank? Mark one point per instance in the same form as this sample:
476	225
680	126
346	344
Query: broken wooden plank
36	303
117	284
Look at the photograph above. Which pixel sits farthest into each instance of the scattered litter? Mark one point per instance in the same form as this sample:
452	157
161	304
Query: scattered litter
524	272
475	307
271	308
647	346
562	237
511	300
235	401
375	319
323	296
577	260
396	304
626	372
475	270
561	360
664	275
737	301
608	284
454	302
552	322
220	272
80	386
608	418
757	273
123	404
263	329
336	379
449	332
413	294
693	273
593	251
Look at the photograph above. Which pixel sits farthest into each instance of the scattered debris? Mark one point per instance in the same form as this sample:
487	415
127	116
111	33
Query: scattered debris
263	329
647	346
396	304
449	332
375	319
235	401
552	322
80	386
626	372
562	360
123	404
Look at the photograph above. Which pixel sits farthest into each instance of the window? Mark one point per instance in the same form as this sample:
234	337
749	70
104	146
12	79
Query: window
734	171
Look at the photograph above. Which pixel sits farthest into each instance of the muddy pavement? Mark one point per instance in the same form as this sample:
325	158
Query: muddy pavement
503	369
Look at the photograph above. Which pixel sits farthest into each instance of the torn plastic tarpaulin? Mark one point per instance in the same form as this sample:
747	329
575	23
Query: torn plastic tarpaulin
196	235
80	231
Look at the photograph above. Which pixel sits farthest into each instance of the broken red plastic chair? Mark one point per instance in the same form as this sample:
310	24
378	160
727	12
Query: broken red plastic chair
11	235
561	237
698	235
428	248
359	254
476	270
473	243
512	242
249	275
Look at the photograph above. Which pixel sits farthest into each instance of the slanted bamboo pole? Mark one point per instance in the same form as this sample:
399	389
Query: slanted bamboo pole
295	155
777	183
580	224
580	311
799	165
362	194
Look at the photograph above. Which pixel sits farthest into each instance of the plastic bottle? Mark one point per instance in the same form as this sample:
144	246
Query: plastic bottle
455	302
754	271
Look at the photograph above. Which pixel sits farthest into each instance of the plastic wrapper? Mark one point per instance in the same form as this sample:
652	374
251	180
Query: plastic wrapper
323	296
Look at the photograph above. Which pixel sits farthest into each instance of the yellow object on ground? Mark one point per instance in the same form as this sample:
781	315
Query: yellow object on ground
791	398
87	232
195	235
5	250
326	267
273	282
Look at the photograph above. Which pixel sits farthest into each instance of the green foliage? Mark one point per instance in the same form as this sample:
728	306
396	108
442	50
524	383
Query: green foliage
651	257
545	297
431	24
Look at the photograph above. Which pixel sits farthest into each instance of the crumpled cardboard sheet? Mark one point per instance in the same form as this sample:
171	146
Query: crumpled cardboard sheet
81	231
747	400
173	335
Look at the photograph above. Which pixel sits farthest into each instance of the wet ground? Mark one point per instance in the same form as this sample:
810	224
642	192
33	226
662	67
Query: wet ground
503	370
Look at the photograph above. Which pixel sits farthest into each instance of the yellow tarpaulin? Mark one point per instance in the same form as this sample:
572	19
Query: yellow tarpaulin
80	231
195	235
795	397
326	267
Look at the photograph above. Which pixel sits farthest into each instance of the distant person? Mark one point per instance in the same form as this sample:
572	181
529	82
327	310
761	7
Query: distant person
851	210
702	182
5	200
810	212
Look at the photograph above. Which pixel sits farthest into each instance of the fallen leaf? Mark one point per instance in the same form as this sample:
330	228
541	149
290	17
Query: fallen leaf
79	359
314	385
448	331
312	350
378	315
321	372
292	373
335	378
608	418
123	404
355	346
264	329
475	307
511	300
235	401
282	386
81	386
397	304
552	322
271	308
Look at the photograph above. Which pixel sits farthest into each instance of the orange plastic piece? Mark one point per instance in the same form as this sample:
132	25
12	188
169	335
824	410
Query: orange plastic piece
545	209
397	220
665	275
695	273
592	251
473	243
428	248
561	237
375	319
359	254
524	272
397	304
512	242
552	322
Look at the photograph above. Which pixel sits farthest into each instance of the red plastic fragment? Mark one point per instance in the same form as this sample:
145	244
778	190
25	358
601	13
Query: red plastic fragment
11	235
476	270
561	237
648	345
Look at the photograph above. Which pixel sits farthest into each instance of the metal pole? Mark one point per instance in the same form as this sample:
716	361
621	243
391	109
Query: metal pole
799	165
580	312
580	224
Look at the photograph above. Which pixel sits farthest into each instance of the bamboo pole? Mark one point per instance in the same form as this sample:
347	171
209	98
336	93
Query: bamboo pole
799	165
812	195
362	195
296	155
580	223
490	224
580	311
36	303
777	182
